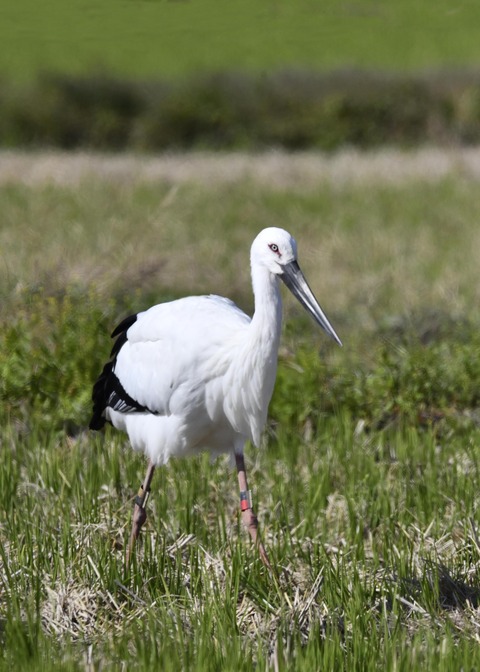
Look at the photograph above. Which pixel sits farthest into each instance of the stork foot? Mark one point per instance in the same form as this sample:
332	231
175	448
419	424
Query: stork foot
140	512
250	521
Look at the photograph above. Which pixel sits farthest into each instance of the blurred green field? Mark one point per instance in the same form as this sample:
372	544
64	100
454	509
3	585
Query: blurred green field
144	38
367	482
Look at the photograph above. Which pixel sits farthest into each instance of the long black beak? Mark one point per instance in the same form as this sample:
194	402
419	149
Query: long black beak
293	277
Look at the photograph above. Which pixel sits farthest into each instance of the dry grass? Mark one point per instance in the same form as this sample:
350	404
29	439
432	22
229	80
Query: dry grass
374	231
273	170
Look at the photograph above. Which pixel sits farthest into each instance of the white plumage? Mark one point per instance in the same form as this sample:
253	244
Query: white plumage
197	373
179	361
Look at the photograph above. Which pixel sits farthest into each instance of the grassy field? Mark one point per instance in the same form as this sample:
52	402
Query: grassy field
151	38
366	485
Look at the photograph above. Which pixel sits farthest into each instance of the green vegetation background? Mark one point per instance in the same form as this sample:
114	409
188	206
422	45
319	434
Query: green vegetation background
151	38
367	483
153	75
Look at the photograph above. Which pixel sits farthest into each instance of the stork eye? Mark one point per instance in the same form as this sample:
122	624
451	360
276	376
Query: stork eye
273	247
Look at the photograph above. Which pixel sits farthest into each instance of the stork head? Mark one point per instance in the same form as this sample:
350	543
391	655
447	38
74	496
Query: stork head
276	250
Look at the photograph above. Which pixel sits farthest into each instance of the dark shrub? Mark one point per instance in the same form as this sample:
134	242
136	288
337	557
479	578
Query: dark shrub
295	110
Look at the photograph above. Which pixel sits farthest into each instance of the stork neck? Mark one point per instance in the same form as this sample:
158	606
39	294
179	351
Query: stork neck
268	303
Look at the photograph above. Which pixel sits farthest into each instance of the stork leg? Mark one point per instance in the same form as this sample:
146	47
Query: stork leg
248	516
140	513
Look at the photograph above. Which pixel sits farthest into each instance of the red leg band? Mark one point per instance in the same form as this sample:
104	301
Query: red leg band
245	501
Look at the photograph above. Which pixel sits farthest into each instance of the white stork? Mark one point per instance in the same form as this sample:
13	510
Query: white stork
197	374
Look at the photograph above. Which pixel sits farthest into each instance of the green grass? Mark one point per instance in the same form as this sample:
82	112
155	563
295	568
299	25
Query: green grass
145	38
373	539
366	485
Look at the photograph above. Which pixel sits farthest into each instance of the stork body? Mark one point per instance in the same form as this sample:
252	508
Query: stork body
197	374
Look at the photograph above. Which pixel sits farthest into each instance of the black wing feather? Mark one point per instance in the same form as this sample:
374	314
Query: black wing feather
108	390
121	331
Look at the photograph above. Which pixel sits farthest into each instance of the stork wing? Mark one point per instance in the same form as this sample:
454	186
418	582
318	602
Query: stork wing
171	346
